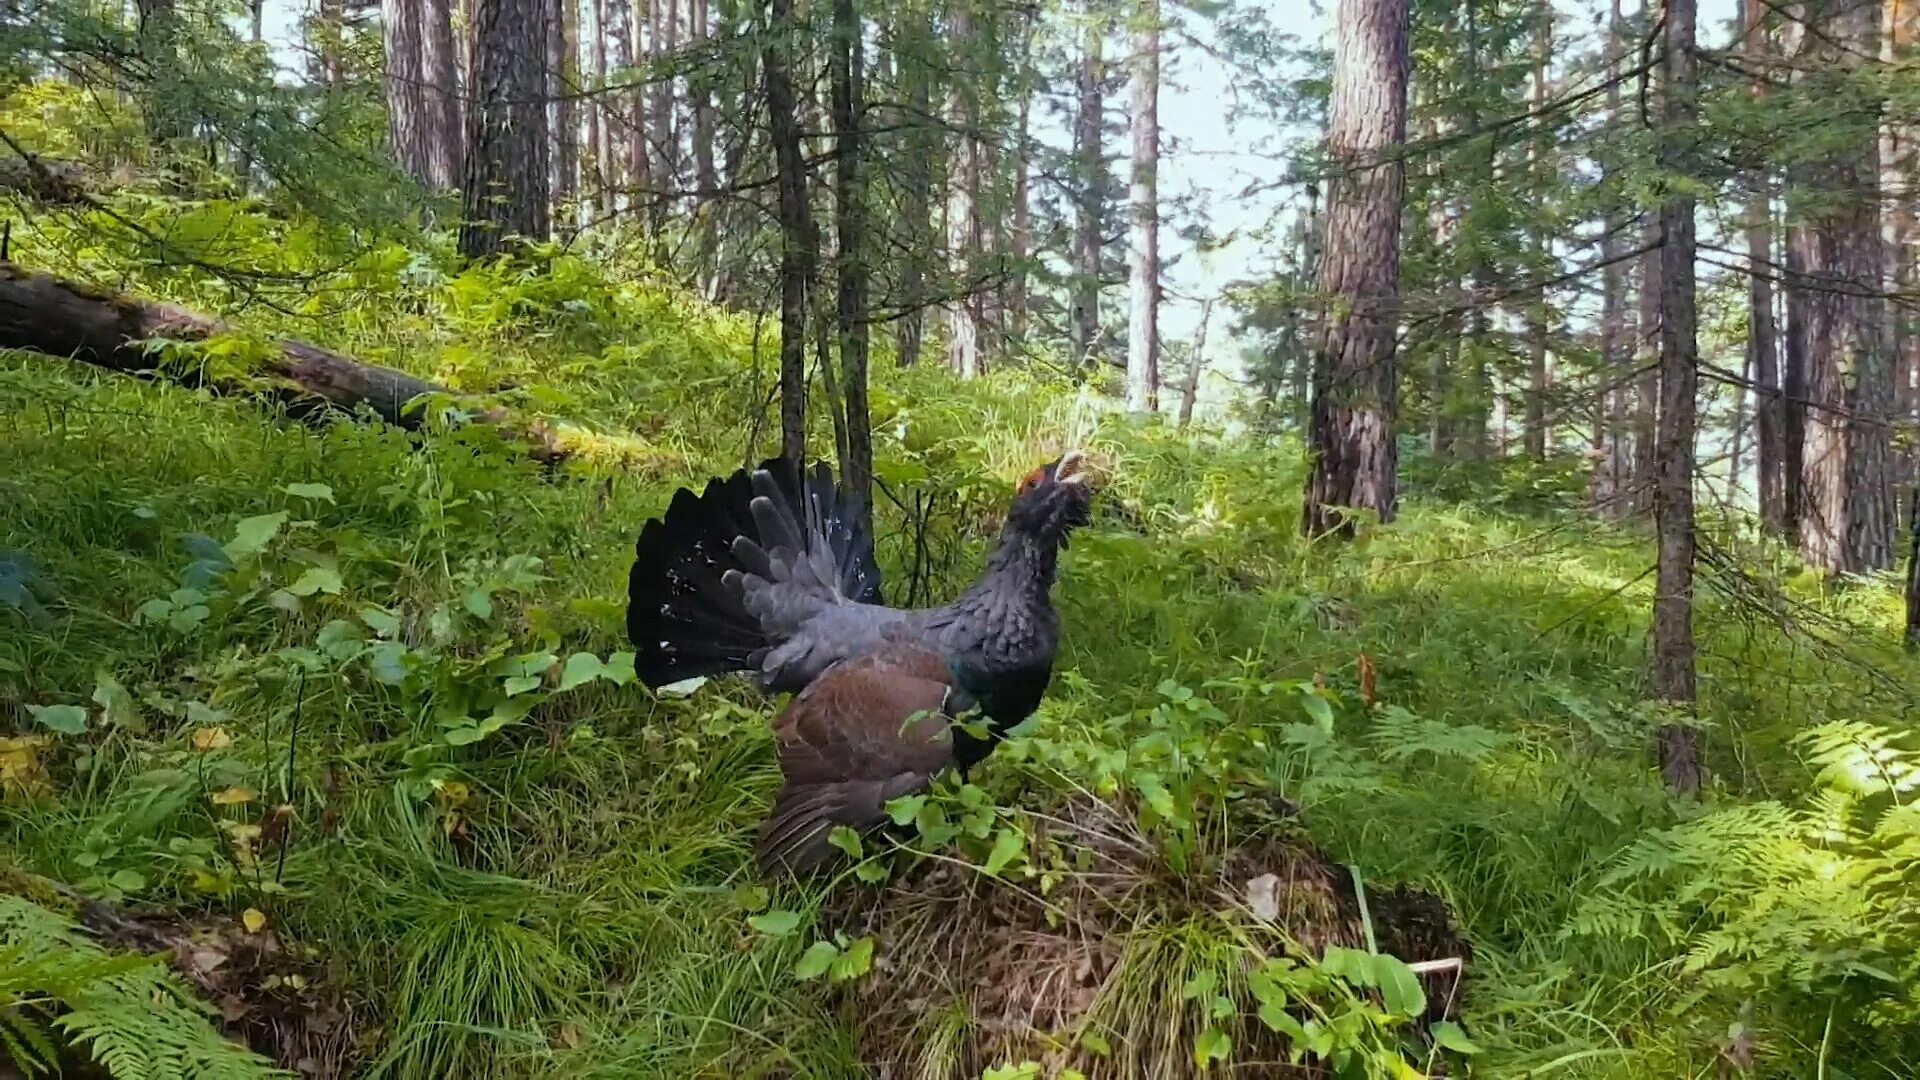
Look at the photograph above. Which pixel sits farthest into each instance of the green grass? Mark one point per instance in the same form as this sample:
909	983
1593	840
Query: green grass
569	891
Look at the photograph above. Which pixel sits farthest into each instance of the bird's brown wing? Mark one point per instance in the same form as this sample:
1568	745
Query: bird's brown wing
867	731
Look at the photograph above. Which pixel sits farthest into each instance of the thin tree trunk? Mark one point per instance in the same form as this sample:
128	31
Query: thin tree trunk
1762	355
849	91
1793	378
1196	366
964	234
797	241
1090	173
629	46
1021	234
595	179
661	46
1612	469
507	145
1673	646
1354	382
917	169
563	81
706	173
1143	217
1537	436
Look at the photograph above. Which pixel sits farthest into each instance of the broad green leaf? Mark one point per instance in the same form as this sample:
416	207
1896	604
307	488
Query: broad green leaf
1200	985
751	897
854	961
383	622
128	880
1273	1013
618	669
310	491
905	808
65	719
463	736
1400	989
583	667
1213	1045
1318	708
1450	1035
317	579
253	534
846	840
776	923
1096	1044
520	684
815	962
1008	844
116	705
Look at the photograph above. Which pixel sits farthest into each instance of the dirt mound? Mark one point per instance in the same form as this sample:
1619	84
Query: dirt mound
1085	966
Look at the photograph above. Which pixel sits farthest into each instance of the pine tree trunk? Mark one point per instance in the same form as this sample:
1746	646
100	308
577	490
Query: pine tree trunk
1538	437
1354	382
856	469
1673	646
661	46
629	46
964	234
1793	378
1762	354
1196	366
1143	217
1611	469
1021	234
1090	173
507	141
1846	522
798	245
563	82
707	175
410	118
917	184
595	178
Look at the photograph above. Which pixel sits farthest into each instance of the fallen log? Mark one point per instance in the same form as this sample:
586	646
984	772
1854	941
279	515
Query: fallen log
44	314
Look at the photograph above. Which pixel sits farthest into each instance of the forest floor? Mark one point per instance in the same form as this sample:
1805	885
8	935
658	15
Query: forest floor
339	718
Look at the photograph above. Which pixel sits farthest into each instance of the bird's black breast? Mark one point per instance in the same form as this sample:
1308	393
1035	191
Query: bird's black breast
1006	696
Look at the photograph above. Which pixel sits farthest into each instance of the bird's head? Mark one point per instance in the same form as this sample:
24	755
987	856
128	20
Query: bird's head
1054	499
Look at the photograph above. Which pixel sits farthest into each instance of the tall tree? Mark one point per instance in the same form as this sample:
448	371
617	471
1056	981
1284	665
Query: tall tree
1673	646
506	193
965	173
598	127
1143	215
799	247
1762	352
850	203
1540	166
563	80
625	21
1846	520
1612	470
420	109
916	70
1089	161
1354	390
1196	366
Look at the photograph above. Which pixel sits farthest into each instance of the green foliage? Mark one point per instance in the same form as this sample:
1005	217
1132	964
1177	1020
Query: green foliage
128	1013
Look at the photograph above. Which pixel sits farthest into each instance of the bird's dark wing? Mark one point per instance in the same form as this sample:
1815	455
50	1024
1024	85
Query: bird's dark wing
867	731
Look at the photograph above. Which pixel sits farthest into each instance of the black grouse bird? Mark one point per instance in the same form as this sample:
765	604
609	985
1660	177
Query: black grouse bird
768	571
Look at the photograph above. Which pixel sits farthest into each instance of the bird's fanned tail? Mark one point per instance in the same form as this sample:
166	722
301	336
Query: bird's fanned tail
725	576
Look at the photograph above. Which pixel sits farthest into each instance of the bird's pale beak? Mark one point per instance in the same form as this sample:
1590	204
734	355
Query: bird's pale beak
1072	468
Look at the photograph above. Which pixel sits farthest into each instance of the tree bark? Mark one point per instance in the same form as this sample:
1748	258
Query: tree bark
964	234
563	81
798	244
1846	521
1020	249
1762	353
1673	646
917	184
1536	433
662	44
47	315
849	90
1090	194
1354	384
506	193
1793	379
1196	366
1143	217
595	179
1612	469
706	171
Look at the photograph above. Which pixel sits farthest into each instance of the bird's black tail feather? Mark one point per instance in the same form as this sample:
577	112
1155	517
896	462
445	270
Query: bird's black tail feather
684	619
